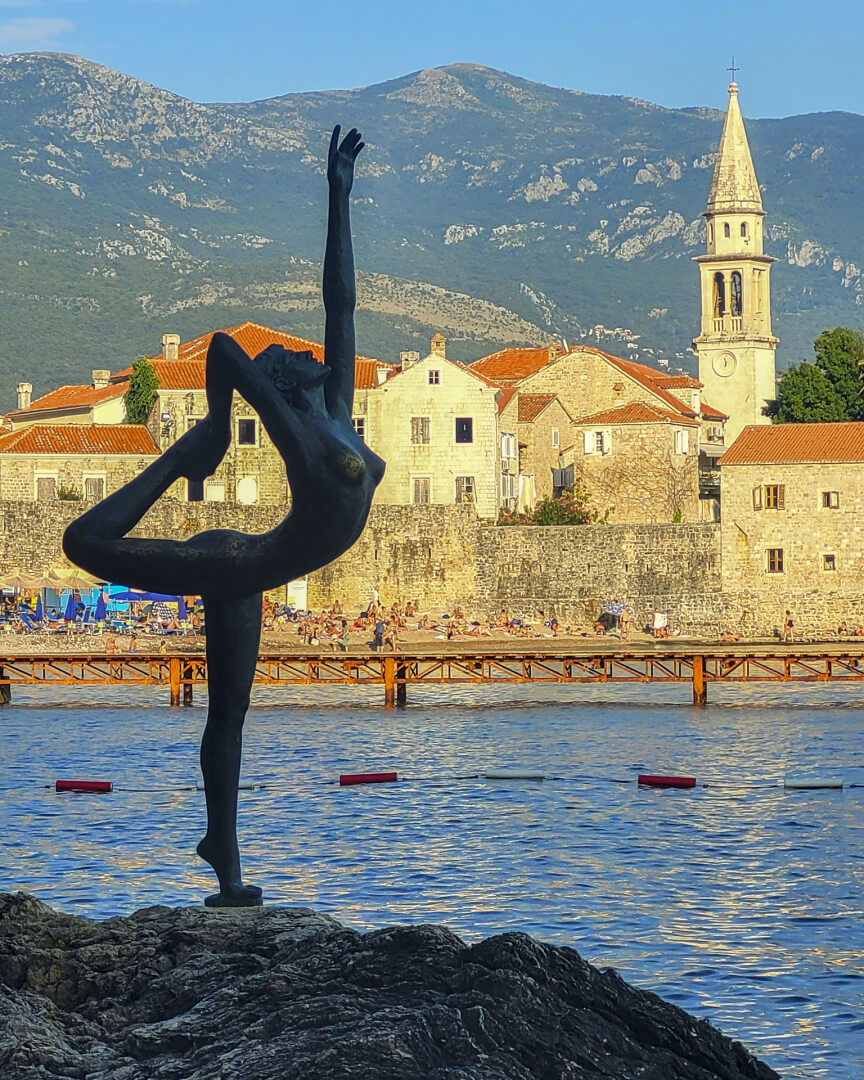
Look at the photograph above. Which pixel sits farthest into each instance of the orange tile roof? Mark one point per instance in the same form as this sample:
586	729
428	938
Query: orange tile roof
510	365
187	371
794	444
673	382
636	412
74	396
507	395
79	439
710	413
531	405
366	373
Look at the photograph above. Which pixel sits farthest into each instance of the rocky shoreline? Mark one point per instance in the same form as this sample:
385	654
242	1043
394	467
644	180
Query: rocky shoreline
286	993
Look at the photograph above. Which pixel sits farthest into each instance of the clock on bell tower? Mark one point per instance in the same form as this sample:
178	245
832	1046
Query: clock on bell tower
735	347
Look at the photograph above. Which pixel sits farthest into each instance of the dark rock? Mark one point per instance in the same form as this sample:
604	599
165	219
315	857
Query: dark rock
284	993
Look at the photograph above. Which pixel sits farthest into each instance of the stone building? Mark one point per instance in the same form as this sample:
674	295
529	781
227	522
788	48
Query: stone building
435	423
793	509
639	462
98	402
544	432
589	383
45	462
735	346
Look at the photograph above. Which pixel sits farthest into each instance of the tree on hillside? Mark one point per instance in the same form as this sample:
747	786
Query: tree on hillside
141	394
830	388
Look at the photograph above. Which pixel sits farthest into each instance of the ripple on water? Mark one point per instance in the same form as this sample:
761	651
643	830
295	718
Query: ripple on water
738	901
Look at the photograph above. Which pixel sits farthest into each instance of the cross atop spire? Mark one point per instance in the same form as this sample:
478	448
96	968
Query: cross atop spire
733	69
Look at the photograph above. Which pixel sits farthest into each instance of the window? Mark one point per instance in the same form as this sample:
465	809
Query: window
247	490
775	560
508	446
464	489
419	430
710	234
246	433
596	442
464	429
719	296
682	441
359	423
744	229
94	487
195	491
46	488
735	294
727	232
831	500
214	491
556	437
829	562
434	377
421	490
775	496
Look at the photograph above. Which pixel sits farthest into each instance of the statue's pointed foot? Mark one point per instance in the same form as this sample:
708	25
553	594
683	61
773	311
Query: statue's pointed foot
236	896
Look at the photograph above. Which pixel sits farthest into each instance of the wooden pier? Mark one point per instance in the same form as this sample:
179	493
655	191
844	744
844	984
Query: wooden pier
699	665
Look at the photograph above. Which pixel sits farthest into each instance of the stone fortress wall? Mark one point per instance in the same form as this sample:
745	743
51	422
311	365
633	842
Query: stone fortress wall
443	555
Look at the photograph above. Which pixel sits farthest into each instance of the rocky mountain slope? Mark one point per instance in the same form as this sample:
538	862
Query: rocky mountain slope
284	993
494	209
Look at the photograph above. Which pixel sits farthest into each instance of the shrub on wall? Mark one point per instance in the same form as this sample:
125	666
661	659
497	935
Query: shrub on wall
568	508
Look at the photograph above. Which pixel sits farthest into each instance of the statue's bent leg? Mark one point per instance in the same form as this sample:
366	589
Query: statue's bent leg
233	635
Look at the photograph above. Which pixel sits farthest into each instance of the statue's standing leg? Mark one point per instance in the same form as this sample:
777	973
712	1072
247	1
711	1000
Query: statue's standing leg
233	636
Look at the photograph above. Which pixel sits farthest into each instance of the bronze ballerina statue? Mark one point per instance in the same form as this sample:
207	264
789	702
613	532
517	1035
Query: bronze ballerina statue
306	408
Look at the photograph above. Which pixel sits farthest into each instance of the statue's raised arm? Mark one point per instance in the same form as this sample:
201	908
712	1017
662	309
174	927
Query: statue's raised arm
340	295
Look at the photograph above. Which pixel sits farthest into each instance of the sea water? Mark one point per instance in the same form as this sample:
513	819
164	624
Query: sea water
739	901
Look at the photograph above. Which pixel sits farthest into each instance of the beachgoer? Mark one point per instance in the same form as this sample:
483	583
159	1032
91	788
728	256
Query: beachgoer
378	636
626	616
306	409
133	644
788	627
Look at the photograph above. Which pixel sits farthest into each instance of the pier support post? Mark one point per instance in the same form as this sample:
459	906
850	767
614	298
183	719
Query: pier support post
187	684
5	690
174	680
389	681
401	687
700	693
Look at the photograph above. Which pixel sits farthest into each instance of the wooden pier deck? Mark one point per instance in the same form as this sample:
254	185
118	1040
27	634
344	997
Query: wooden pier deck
698	664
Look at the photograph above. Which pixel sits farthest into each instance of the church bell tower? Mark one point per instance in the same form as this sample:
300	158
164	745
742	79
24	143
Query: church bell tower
736	347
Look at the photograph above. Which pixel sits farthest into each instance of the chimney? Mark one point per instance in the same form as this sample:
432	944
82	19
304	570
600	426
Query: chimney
100	378
406	359
439	346
25	389
554	351
170	345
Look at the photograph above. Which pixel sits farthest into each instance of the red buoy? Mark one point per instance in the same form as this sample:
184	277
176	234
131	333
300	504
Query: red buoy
667	781
367	778
84	785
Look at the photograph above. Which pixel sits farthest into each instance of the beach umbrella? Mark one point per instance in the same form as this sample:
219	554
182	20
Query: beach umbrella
69	613
39	614
99	613
17	580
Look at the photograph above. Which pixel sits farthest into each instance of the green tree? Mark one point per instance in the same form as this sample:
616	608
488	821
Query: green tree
141	394
569	508
806	394
829	388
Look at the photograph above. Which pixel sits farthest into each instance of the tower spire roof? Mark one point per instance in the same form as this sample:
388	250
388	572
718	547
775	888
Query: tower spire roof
734	186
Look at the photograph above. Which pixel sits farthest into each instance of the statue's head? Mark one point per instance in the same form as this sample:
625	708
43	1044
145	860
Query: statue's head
297	376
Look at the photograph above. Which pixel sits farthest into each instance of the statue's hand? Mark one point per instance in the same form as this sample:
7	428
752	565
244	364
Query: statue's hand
201	449
340	160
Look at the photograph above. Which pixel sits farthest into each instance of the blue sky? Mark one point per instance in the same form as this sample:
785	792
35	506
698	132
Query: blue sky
794	57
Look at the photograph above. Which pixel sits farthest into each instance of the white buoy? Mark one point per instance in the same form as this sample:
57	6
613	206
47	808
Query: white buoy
513	774
813	782
244	785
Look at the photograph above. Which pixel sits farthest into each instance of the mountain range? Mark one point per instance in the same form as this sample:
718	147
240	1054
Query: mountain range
493	209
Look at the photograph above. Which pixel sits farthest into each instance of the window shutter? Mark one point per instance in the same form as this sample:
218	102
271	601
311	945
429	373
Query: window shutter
588	442
607	442
757	498
781	496
685	441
